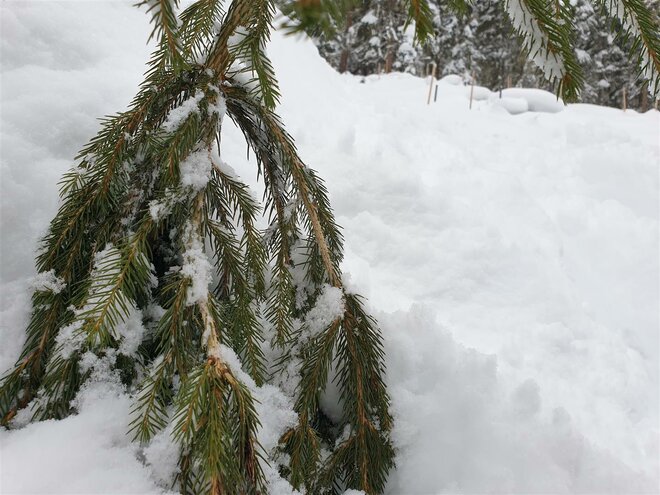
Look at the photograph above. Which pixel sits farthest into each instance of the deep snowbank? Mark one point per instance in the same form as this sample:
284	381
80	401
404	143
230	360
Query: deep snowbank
511	260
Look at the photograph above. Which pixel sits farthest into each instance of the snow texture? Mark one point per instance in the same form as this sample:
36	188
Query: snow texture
69	339
159	209
131	332
178	115
537	100
196	170
511	261
197	268
48	282
514	106
329	306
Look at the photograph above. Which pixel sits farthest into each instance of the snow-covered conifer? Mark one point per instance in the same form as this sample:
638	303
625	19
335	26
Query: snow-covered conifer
152	216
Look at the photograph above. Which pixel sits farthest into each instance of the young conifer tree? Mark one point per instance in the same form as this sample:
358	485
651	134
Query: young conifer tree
154	226
152	218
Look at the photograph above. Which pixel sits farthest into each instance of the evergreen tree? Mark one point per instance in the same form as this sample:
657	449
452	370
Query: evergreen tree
154	226
369	39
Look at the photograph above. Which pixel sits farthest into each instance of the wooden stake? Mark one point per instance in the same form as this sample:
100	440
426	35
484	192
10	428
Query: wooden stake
625	101
644	104
508	81
435	96
428	98
389	60
472	91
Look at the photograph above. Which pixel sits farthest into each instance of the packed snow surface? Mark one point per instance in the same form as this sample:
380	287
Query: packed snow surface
512	261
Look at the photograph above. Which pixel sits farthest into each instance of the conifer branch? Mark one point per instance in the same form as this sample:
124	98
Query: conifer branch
641	25
419	12
164	18
546	32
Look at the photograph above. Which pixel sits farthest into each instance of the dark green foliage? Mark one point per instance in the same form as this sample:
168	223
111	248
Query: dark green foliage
138	235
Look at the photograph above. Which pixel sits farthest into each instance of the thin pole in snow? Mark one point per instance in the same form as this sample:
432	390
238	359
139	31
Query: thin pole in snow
625	101
644	105
472	91
435	96
428	98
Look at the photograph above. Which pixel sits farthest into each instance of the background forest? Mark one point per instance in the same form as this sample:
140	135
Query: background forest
480	43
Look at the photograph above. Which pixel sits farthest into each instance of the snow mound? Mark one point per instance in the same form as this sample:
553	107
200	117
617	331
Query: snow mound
452	80
537	100
453	88
514	106
479	93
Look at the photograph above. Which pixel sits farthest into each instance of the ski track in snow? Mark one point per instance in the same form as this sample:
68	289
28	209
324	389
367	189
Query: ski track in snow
512	262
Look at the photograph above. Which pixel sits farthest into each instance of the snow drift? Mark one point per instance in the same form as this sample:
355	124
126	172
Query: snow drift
512	261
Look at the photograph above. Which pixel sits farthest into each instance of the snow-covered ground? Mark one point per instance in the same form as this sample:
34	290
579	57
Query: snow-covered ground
512	261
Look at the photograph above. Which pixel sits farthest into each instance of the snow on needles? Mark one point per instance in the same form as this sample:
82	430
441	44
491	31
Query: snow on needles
197	268
48	281
196	170
178	115
329	306
535	39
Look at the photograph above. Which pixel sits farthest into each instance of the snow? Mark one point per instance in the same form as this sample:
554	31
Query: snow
178	115
453	90
511	261
196	170
86	453
159	209
328	307
479	93
196	267
48	282
500	434
452	79
162	457
69	339
369	18
131	332
512	105
537	100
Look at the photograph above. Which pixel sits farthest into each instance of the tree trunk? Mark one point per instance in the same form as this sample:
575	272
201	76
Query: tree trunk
346	51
